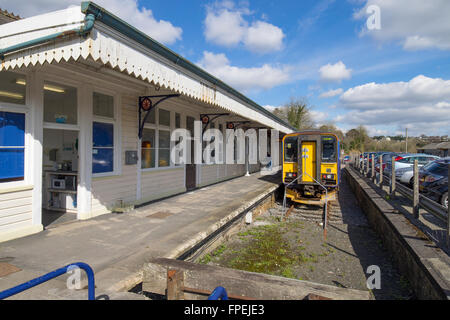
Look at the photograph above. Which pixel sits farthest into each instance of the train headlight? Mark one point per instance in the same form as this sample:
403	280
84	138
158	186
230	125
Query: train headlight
328	177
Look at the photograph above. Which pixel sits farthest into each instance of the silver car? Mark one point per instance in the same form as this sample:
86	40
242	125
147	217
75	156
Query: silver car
406	175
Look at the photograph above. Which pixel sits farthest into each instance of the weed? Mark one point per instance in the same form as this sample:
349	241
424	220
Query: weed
206	259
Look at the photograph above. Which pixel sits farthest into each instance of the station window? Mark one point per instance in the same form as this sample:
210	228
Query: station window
103	132
12	87
12	146
177	121
155	145
60	104
151	117
103	148
103	105
164	148
290	149
164	118
329	150
148	153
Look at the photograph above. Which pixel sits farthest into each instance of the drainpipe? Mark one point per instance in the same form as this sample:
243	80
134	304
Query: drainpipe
82	31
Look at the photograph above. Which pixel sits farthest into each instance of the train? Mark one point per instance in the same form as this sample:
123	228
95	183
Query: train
311	167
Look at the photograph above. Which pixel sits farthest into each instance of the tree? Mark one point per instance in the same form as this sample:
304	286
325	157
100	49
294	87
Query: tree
297	113
357	139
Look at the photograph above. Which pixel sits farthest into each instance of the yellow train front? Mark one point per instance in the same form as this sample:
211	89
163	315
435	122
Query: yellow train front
311	164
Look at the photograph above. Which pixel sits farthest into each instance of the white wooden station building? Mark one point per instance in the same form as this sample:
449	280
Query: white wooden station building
70	84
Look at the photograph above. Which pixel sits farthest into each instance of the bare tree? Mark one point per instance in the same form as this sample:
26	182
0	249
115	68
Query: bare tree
297	113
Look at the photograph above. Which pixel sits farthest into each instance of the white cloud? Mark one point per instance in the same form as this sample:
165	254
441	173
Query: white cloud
320	118
335	72
226	28
417	91
225	25
264	37
422	104
331	93
245	79
128	10
417	24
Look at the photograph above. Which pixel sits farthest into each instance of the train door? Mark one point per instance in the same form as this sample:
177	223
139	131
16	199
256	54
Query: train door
309	161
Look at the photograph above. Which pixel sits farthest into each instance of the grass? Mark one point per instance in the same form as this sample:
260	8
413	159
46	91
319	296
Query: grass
266	251
209	257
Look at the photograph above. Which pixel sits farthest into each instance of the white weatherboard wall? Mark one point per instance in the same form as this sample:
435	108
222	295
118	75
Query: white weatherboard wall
16	214
161	184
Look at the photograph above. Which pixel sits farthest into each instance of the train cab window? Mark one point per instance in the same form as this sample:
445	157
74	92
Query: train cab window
329	149
290	149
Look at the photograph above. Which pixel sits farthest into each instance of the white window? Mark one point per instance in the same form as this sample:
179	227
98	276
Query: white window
148	153
12	146
60	104
14	125
156	144
12	88
105	158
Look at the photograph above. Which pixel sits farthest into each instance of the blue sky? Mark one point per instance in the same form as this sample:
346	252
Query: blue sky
394	77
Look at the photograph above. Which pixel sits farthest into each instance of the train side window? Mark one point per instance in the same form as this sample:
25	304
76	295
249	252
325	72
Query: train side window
328	149
290	149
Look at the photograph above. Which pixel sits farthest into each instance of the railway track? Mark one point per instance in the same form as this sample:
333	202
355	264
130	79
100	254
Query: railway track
310	213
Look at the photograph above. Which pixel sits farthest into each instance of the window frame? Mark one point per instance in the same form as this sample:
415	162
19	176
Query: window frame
335	149
65	82
157	127
296	149
28	139
116	122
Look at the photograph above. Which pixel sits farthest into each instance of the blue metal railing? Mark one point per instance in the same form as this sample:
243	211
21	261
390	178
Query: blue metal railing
49	276
219	293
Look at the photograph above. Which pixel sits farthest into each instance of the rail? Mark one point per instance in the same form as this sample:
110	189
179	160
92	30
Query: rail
51	275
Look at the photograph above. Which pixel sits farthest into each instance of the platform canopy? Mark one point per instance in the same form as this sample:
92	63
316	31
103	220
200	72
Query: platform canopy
61	36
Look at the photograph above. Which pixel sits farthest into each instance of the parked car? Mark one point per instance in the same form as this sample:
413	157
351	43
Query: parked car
434	181
406	175
387	158
406	161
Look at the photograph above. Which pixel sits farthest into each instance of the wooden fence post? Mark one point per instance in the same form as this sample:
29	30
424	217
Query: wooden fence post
175	285
393	182
373	167
381	173
416	190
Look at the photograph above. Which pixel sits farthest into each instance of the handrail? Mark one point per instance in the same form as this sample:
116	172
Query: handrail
49	276
219	293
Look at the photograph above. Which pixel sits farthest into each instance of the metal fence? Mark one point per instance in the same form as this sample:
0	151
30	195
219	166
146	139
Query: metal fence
418	200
